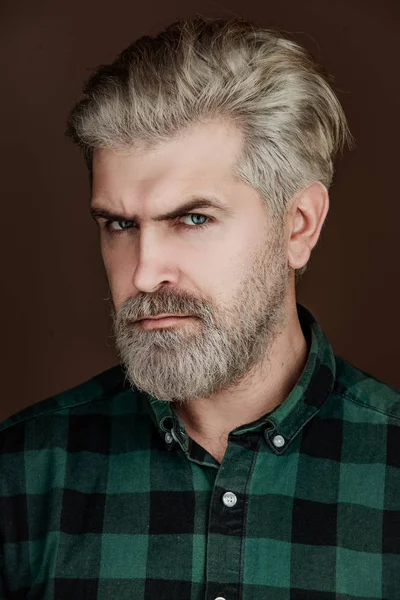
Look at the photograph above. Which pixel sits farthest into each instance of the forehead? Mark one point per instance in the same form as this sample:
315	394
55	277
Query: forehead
204	155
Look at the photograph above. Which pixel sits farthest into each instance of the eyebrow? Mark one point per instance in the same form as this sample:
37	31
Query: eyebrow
99	212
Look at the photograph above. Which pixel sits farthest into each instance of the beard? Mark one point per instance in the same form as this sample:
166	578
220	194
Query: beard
218	350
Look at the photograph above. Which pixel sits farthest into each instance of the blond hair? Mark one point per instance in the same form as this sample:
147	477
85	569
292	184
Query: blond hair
200	69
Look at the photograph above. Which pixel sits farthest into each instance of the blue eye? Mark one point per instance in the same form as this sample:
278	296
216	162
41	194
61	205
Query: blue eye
118	225
195	225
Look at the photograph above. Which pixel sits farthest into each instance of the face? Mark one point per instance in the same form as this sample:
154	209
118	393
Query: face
225	268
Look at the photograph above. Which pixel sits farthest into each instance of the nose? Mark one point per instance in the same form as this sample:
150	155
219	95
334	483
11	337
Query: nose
155	265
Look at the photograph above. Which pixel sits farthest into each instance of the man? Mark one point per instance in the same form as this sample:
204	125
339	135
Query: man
232	456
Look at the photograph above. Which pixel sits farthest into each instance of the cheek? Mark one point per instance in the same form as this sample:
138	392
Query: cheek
115	254
119	268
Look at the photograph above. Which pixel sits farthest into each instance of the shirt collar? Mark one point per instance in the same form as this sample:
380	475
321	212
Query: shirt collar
281	425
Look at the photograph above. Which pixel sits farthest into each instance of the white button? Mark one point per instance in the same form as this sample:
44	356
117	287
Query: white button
220	598
168	438
229	499
278	441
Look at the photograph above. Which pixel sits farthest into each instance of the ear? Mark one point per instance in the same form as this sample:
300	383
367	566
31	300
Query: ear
305	220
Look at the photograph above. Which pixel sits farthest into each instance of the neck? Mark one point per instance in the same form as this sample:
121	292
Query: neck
209	420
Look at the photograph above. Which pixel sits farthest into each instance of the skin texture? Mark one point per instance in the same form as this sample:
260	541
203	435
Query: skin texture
243	350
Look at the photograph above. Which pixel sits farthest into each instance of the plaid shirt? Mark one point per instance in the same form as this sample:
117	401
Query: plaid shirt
104	496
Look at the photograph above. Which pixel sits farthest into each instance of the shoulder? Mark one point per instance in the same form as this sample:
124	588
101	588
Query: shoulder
366	392
102	387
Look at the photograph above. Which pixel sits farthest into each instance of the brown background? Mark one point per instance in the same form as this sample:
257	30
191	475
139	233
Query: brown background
56	330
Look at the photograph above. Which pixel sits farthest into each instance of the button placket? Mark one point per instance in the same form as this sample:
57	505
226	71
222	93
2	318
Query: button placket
227	516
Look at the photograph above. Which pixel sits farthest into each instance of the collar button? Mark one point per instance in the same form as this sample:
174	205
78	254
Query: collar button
278	441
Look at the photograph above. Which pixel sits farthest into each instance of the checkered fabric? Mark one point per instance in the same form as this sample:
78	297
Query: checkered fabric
104	496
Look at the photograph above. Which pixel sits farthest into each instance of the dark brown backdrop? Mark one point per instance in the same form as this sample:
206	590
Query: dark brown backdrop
56	327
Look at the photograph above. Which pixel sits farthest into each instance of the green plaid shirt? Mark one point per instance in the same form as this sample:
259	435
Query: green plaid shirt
104	496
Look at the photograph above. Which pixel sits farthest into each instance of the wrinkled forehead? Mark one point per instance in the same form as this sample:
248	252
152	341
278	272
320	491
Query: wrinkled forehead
199	163
207	151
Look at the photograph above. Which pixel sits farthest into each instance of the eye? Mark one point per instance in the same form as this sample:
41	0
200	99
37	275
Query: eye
196	225
118	227
115	226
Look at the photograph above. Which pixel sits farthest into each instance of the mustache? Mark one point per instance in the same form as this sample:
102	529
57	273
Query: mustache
139	307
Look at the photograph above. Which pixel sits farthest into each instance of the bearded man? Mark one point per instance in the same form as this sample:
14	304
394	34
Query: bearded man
231	455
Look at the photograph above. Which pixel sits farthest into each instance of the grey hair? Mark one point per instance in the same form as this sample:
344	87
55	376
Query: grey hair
201	69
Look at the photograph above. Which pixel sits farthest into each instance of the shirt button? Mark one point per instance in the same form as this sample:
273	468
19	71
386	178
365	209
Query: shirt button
220	598
278	441
168	438
229	499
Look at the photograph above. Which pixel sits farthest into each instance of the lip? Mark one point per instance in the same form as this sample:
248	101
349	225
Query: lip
161	322
164	316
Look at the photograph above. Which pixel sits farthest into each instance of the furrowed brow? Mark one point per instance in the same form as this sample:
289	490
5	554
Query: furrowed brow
99	212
